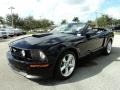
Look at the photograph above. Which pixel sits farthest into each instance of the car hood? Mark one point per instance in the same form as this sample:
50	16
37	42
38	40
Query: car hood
44	39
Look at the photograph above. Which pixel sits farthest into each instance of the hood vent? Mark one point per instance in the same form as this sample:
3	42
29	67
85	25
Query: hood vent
41	35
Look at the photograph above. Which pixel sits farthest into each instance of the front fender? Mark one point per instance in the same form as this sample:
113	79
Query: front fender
57	50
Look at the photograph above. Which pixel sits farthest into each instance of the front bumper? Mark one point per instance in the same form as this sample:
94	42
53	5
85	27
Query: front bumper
27	68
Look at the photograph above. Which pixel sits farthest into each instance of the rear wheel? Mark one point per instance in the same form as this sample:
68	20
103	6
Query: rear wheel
65	65
108	48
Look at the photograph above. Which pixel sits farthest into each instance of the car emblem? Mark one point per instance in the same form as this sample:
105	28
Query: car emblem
23	53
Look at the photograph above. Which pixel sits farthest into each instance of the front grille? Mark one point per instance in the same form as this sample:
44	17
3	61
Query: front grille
17	53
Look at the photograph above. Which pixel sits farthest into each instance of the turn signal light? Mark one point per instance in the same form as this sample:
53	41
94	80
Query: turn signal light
38	66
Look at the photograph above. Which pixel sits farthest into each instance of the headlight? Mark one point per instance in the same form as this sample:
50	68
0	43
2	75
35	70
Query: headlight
42	55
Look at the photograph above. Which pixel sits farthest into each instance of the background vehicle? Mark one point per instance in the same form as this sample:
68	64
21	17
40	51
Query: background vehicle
58	52
116	28
10	32
19	32
24	32
3	33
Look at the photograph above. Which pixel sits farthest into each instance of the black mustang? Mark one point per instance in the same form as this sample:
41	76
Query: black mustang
56	53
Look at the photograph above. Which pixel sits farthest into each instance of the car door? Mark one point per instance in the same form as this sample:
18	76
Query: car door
90	42
94	41
99	39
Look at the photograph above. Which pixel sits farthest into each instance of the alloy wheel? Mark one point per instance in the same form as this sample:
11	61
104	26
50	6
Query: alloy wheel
109	47
67	65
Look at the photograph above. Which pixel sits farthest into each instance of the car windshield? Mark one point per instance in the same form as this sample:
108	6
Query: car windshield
69	28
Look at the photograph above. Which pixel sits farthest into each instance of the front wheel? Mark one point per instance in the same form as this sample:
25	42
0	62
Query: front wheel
65	65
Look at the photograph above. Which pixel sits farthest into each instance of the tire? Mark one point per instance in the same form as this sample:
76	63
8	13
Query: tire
65	66
108	48
17	35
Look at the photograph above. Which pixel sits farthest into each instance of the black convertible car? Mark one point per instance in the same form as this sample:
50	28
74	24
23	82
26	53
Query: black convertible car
56	53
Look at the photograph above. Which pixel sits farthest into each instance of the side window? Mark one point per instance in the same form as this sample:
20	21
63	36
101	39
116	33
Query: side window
92	29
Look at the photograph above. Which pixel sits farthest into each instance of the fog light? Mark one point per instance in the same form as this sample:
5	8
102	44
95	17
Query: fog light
38	66
42	55
23	53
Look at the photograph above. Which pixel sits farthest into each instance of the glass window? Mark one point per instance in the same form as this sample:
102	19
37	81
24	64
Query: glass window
68	28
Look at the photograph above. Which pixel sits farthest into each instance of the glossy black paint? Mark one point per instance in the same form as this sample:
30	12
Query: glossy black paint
54	44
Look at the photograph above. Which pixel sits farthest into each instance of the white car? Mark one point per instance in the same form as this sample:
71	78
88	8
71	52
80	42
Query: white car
9	31
3	33
18	31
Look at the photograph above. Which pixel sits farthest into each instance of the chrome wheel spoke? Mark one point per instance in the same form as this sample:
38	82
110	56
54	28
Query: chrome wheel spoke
109	46
66	70
71	65
64	60
70	57
62	68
